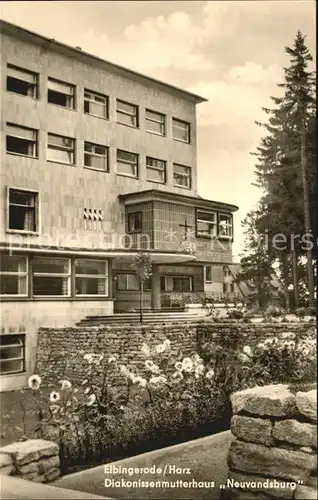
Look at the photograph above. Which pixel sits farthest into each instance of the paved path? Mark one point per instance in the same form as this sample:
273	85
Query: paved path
205	457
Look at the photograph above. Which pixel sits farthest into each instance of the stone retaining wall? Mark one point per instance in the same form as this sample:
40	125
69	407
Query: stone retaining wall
60	350
274	454
34	460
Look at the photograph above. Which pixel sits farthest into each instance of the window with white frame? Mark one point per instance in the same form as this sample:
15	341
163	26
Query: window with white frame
180	130
127	163
21	140
155	122
134	222
13	275
156	170
51	276
208	274
61	93
22	81
225	226
95	156
95	104
22	210
60	149
126	113
12	354
91	277
181	176
206	224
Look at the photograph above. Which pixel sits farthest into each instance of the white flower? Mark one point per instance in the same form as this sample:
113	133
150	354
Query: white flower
155	369
261	345
198	371
178	366
177	376
160	348
54	397
65	384
83	383
111	359
89	358
142	382
167	343
162	379
197	359
124	371
244	358
145	349
187	365
248	351
87	390
34	382
209	374
149	364
91	400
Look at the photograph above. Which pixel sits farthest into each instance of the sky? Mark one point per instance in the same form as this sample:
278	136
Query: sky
230	52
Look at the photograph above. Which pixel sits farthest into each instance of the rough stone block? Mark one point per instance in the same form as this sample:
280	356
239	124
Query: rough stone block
307	404
312	482
275	462
29	468
30	450
255	430
271	400
295	432
257	484
6	464
48	464
305	493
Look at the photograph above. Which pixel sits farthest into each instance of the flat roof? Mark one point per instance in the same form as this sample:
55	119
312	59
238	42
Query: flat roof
15	30
169	196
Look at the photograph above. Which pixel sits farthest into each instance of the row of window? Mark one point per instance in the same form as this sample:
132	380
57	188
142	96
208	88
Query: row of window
25	82
24	141
208	224
23	215
52	277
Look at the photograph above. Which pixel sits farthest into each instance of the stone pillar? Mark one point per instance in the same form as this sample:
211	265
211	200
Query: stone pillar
155	288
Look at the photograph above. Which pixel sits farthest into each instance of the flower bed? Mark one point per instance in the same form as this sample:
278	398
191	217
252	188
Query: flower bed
173	398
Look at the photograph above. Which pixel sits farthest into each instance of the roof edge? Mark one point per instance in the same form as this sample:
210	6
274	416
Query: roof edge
197	200
116	67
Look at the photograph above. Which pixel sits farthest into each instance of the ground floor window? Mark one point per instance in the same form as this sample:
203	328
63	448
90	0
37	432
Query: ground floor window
180	284
91	277
12	354
13	275
130	282
208	274
52	276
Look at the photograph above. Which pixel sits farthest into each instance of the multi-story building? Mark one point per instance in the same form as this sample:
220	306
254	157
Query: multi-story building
97	162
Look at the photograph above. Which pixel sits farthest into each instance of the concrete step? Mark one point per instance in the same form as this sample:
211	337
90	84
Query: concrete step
135	318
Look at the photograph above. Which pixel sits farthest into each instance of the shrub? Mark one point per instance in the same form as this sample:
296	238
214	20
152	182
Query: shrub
274	312
301	312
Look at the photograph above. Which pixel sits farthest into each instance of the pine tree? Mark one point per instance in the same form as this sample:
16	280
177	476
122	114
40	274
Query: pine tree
285	166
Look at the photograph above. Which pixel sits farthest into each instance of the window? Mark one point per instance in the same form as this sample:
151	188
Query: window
21	140
61	93
21	81
13	275
95	104
127	282
155	122
51	276
182	284
22	210
134	222
61	149
206	224
95	156
208	274
12	357
127	114
180	130
225	226
127	163
181	176
91	277
156	170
